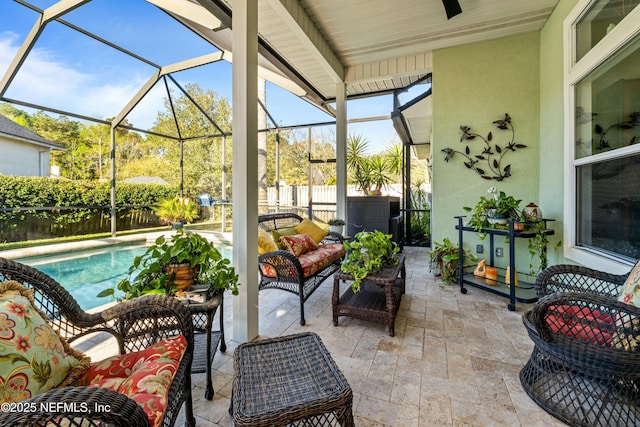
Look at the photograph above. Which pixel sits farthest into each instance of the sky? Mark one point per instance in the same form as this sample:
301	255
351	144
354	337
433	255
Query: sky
71	72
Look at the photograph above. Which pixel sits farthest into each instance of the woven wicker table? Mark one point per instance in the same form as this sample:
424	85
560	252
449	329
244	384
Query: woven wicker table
205	339
378	299
290	379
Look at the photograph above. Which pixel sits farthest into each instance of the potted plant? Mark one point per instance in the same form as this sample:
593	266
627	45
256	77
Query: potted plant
446	256
159	269
368	252
336	225
176	211
497	209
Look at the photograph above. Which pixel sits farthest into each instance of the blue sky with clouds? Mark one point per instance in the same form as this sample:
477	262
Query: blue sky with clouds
72	72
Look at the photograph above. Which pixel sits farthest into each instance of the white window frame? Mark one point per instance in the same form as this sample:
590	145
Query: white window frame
574	71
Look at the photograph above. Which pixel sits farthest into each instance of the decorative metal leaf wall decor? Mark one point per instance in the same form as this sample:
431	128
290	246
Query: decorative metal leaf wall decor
489	163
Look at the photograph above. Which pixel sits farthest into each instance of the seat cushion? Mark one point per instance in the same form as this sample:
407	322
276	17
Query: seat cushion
311	262
34	358
630	290
309	227
144	376
583	323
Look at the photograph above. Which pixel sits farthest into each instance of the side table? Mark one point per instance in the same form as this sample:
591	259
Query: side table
205	340
289	380
378	299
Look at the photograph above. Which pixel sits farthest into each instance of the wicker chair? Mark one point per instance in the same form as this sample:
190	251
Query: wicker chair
136	324
290	276
584	369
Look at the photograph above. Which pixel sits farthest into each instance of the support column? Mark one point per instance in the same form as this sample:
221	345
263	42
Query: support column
112	191
341	151
245	167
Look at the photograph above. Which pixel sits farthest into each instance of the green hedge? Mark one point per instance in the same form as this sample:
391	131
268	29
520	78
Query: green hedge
89	200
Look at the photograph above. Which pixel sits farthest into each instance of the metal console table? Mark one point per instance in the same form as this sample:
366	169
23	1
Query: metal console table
524	292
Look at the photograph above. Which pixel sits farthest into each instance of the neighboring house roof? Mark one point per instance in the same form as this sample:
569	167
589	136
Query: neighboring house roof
15	131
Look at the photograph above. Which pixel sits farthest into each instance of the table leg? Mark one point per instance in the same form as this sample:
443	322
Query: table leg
223	343
391	310
335	299
208	394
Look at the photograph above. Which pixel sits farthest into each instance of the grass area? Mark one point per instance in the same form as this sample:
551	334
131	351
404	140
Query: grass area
205	226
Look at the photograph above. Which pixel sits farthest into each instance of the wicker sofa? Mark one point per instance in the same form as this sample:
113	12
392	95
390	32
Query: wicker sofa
585	365
301	275
145	386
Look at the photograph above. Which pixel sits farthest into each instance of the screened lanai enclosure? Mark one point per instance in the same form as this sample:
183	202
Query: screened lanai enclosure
154	77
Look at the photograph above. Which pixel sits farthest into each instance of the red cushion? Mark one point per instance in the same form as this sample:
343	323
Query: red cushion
144	376
311	262
559	319
298	244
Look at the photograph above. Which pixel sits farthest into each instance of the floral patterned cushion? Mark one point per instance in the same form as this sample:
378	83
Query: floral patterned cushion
34	358
144	376
630	291
629	337
277	234
311	262
298	244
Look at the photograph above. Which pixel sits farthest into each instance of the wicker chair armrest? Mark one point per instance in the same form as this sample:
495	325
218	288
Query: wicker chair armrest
89	406
286	264
575	278
144	321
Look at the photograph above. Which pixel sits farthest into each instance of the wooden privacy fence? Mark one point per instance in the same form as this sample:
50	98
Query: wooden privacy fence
295	198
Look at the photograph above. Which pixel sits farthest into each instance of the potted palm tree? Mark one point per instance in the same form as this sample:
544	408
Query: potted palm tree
176	211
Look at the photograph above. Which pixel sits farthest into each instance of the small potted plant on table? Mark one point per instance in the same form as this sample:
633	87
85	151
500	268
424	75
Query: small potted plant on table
367	253
336	225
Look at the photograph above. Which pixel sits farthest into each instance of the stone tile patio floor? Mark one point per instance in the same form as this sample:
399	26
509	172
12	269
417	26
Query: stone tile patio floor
454	360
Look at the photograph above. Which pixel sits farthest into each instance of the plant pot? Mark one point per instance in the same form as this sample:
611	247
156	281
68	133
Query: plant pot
493	218
336	228
185	275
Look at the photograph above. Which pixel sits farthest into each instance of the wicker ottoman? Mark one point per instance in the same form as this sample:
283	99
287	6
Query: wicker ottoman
289	380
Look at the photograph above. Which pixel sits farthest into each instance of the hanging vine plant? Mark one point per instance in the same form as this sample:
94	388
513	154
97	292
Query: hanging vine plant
492	154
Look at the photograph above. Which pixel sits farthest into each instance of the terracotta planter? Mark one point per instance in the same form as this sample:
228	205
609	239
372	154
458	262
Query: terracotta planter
491	275
185	275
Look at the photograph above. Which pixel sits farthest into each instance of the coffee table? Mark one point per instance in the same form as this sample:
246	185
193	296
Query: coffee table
378	299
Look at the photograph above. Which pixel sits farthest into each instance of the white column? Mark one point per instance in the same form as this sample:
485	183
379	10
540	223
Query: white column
245	167
341	151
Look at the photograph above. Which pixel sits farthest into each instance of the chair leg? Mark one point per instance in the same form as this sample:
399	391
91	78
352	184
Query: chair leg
190	419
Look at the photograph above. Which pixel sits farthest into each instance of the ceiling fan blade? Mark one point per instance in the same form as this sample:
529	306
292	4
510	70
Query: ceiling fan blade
452	7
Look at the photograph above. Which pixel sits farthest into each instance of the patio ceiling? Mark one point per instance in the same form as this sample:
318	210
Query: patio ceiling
374	46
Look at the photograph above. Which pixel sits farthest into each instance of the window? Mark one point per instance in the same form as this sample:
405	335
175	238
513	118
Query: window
603	206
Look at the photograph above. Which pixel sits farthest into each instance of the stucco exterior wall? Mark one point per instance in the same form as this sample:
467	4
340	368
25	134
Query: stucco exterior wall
474	85
23	159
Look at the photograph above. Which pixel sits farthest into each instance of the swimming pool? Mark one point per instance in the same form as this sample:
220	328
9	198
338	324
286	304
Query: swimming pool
87	272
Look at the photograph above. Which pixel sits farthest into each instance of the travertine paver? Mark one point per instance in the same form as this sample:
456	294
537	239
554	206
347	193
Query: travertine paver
454	360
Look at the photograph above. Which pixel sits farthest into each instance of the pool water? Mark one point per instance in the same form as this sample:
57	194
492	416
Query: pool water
87	272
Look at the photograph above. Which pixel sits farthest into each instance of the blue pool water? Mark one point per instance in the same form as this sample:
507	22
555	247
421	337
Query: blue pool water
87	272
